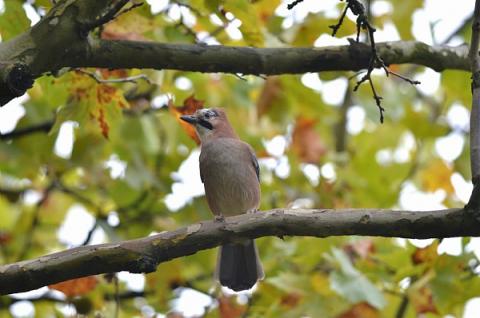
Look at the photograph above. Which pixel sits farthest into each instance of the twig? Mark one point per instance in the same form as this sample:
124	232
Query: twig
358	9
402	308
31	230
292	5
42	127
111	13
129	79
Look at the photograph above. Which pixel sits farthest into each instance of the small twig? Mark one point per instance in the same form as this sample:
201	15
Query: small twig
292	5
335	27
131	7
117	298
402	308
33	225
42	127
376	61
240	76
129	79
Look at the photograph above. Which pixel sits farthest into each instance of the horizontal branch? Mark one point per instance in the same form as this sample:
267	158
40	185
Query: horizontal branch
267	61
143	255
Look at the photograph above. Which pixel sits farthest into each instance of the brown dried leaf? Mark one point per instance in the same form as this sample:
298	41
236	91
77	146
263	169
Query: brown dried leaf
306	142
290	300
5	237
76	287
271	91
426	254
228	308
360	310
422	301
190	105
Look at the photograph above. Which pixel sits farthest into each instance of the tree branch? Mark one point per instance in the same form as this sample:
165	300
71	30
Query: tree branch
268	61
474	57
143	255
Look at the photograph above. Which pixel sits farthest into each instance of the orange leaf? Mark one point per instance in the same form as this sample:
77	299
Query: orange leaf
306	142
76	287
426	254
228	308
290	300
270	92
437	176
190	105
5	238
422	301
360	310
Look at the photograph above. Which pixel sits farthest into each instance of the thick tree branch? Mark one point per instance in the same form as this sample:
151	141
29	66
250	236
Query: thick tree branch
268	61
143	255
68	24
474	57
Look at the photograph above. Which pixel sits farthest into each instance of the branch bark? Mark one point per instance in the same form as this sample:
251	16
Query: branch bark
267	61
474	57
143	255
68	24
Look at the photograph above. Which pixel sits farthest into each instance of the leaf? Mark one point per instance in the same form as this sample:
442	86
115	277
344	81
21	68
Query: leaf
13	21
5	237
426	254
437	176
422	301
352	284
129	26
190	105
92	103
290	300
306	142
362	248
228	308
76	287
245	12
271	91
360	310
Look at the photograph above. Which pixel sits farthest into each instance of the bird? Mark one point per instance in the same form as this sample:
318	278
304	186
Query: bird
230	174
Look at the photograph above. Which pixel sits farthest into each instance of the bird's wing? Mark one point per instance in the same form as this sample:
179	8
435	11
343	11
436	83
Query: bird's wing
255	162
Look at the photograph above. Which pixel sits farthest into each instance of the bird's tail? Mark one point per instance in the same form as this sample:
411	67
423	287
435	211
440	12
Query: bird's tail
238	265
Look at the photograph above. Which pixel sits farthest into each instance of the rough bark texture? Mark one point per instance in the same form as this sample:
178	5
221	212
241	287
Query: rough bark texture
143	255
474	57
69	44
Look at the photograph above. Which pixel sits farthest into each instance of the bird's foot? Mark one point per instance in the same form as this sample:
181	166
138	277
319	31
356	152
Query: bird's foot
252	211
219	218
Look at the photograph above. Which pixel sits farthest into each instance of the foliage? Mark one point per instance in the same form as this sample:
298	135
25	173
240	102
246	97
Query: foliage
130	123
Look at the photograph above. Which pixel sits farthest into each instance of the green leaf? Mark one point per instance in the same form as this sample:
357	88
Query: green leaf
13	21
352	284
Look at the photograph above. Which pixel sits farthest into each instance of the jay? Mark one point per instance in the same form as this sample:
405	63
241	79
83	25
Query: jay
230	174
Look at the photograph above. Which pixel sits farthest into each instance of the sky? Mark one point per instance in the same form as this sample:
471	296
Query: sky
447	16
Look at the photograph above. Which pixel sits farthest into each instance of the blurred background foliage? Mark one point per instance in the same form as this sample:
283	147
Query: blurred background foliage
109	162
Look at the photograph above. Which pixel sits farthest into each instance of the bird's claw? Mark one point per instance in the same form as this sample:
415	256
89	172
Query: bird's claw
252	211
219	218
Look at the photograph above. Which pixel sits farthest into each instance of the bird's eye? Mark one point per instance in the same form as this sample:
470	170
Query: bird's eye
207	115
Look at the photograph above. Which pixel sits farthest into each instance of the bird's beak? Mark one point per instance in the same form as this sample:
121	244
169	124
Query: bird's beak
189	119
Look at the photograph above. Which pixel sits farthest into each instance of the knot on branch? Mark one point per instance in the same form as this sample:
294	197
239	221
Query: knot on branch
15	80
475	80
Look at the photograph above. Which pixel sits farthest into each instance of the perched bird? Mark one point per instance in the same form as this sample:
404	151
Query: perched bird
230	174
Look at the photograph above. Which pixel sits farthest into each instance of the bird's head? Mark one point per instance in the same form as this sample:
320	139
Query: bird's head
210	122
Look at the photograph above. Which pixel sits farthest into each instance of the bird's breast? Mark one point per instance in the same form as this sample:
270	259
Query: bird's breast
229	177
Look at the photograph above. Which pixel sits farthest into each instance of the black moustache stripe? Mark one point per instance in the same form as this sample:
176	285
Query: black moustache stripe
205	124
